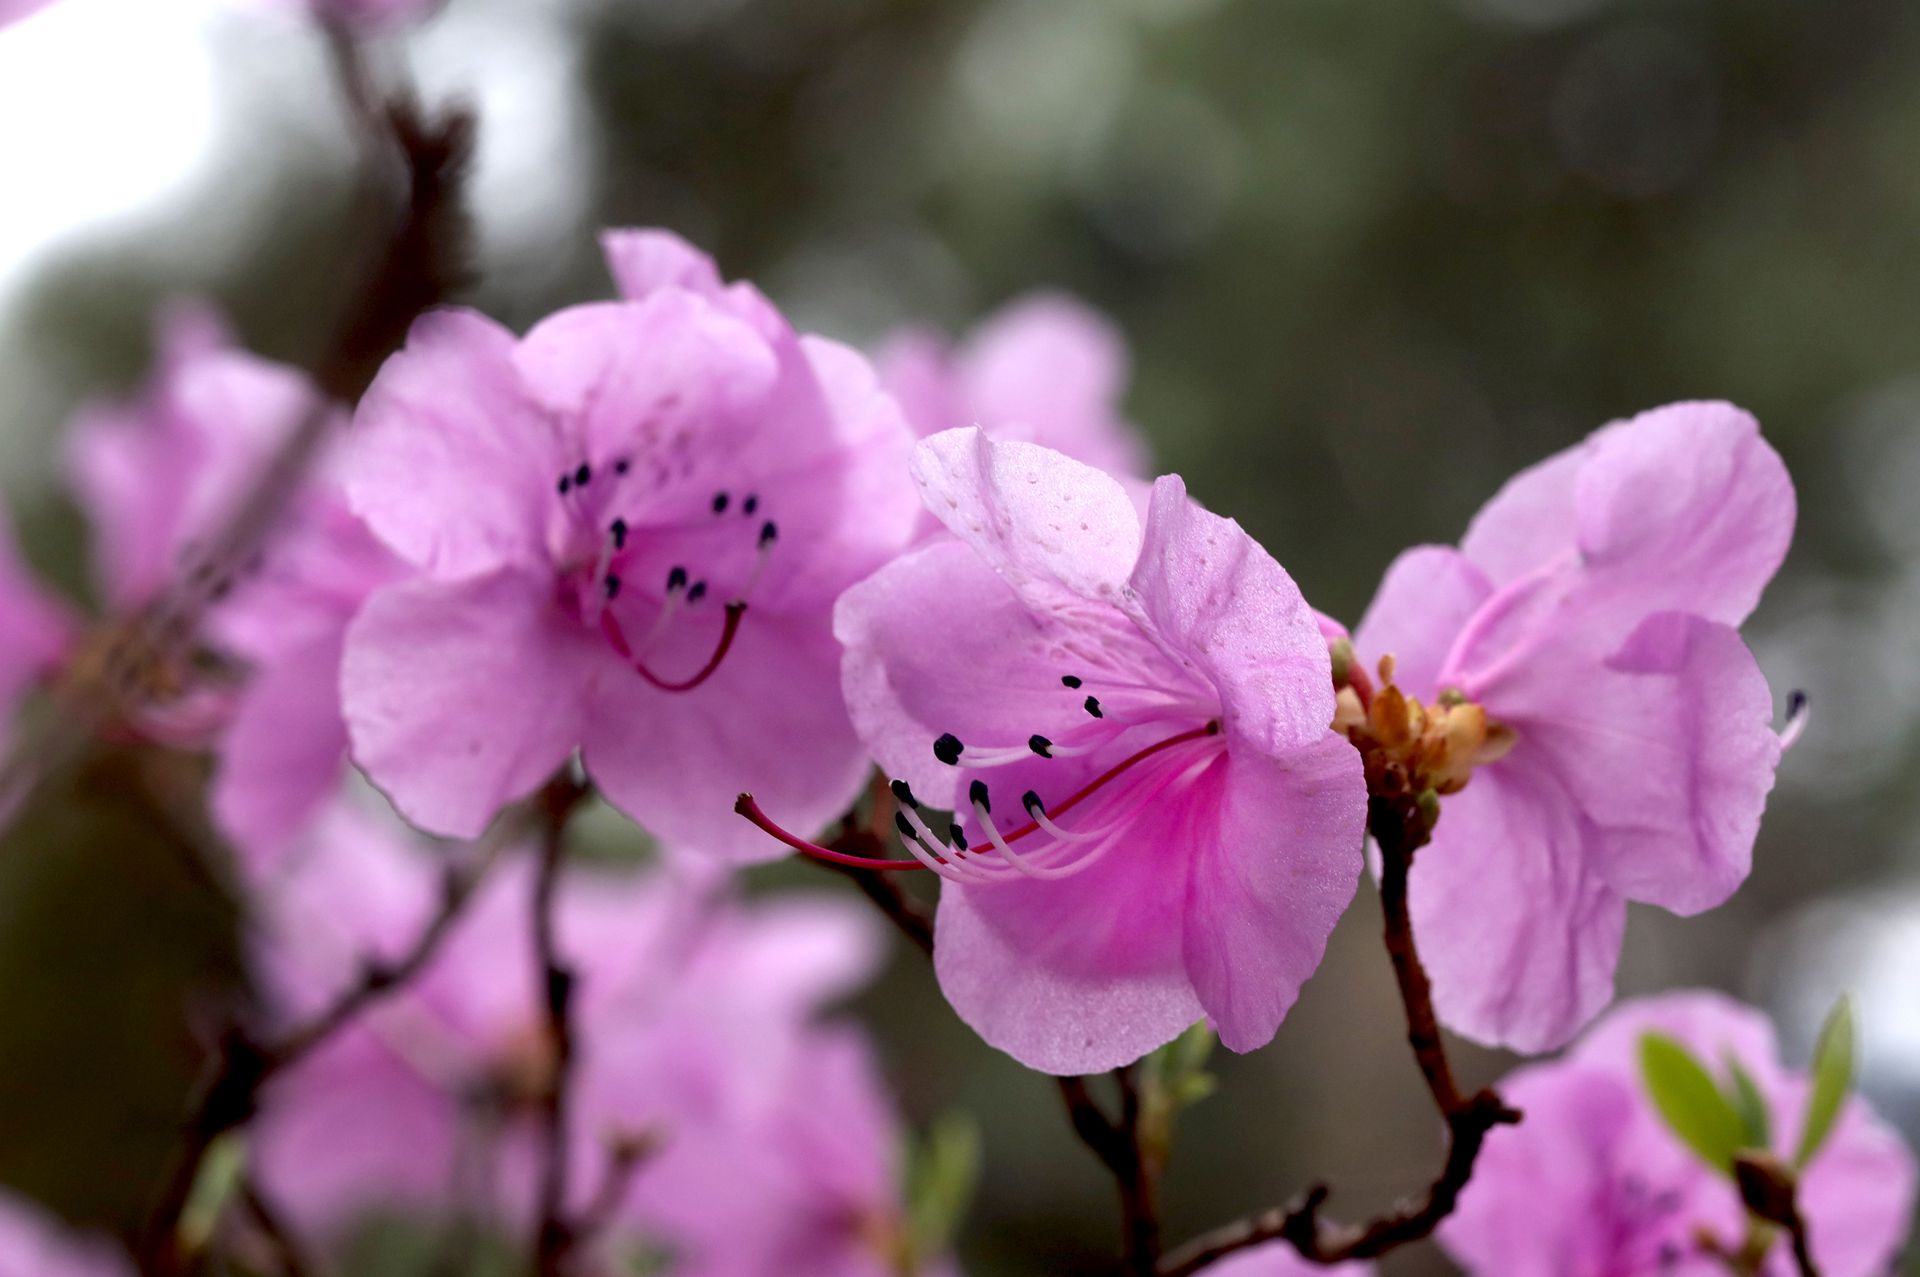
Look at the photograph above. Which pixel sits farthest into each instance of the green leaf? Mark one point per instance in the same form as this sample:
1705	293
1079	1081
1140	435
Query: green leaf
942	1172
1750	1105
217	1180
1690	1102
1832	1080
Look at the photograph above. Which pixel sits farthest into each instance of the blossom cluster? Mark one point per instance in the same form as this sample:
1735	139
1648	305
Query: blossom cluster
726	568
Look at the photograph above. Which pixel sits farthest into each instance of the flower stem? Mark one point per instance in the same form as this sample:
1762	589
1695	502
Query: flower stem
1399	828
554	1232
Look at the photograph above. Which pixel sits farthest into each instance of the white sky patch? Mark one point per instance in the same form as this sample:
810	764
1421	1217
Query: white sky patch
106	109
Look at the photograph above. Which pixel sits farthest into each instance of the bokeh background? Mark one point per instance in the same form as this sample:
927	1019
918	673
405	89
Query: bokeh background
1370	258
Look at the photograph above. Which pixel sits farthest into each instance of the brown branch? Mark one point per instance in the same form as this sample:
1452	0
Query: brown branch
422	261
626	1154
554	1234
243	1063
912	918
287	1248
1117	1143
1400	827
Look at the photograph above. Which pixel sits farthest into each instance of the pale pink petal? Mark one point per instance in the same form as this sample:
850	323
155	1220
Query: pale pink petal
1085	973
36	1243
1532	519
1668	748
642	261
1427	597
1047	524
1685	507
463	696
1265	890
770	721
284	751
1280	1259
352	1130
923	638
666	383
450	463
1212	596
1052	370
1520	936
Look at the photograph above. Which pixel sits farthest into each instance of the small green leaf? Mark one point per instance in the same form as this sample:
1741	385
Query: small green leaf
1832	1080
1689	1101
1749	1104
942	1172
218	1179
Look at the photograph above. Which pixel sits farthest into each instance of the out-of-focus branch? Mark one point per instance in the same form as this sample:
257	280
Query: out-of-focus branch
555	1234
422	260
289	1253
243	1062
908	915
1117	1143
1400	827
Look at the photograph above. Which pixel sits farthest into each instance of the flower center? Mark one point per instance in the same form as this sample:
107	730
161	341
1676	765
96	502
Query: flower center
717	544
1053	839
1410	747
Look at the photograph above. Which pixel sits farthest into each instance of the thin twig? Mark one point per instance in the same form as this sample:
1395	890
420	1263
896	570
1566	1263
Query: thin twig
907	914
1116	1142
626	1154
1399	828
243	1063
554	1234
421	262
290	1253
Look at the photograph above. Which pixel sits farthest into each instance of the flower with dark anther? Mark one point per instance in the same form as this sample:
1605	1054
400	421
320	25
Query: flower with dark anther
1595	1182
631	526
1155	822
1569	687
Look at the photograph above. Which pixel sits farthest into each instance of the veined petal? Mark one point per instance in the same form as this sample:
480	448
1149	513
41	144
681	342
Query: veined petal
770	720
1427	597
1221	605
1047	524
451	463
1520	936
1264	894
1668	748
461	696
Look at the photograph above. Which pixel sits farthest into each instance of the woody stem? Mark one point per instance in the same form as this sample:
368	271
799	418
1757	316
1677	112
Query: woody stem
1399	828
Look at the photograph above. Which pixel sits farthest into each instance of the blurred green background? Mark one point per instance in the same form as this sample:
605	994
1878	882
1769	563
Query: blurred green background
1370	256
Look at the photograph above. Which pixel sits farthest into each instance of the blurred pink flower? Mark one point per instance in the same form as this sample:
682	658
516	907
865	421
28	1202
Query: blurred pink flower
1594	1184
592	507
1046	368
35	1244
1590	611
1134	723
14	10
158	473
1278	1259
696	1024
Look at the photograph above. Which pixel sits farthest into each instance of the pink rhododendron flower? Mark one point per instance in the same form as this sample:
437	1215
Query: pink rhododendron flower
1133	722
1594	1184
1586	626
1046	369
35	1244
695	1024
1279	1259
158	474
631	526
